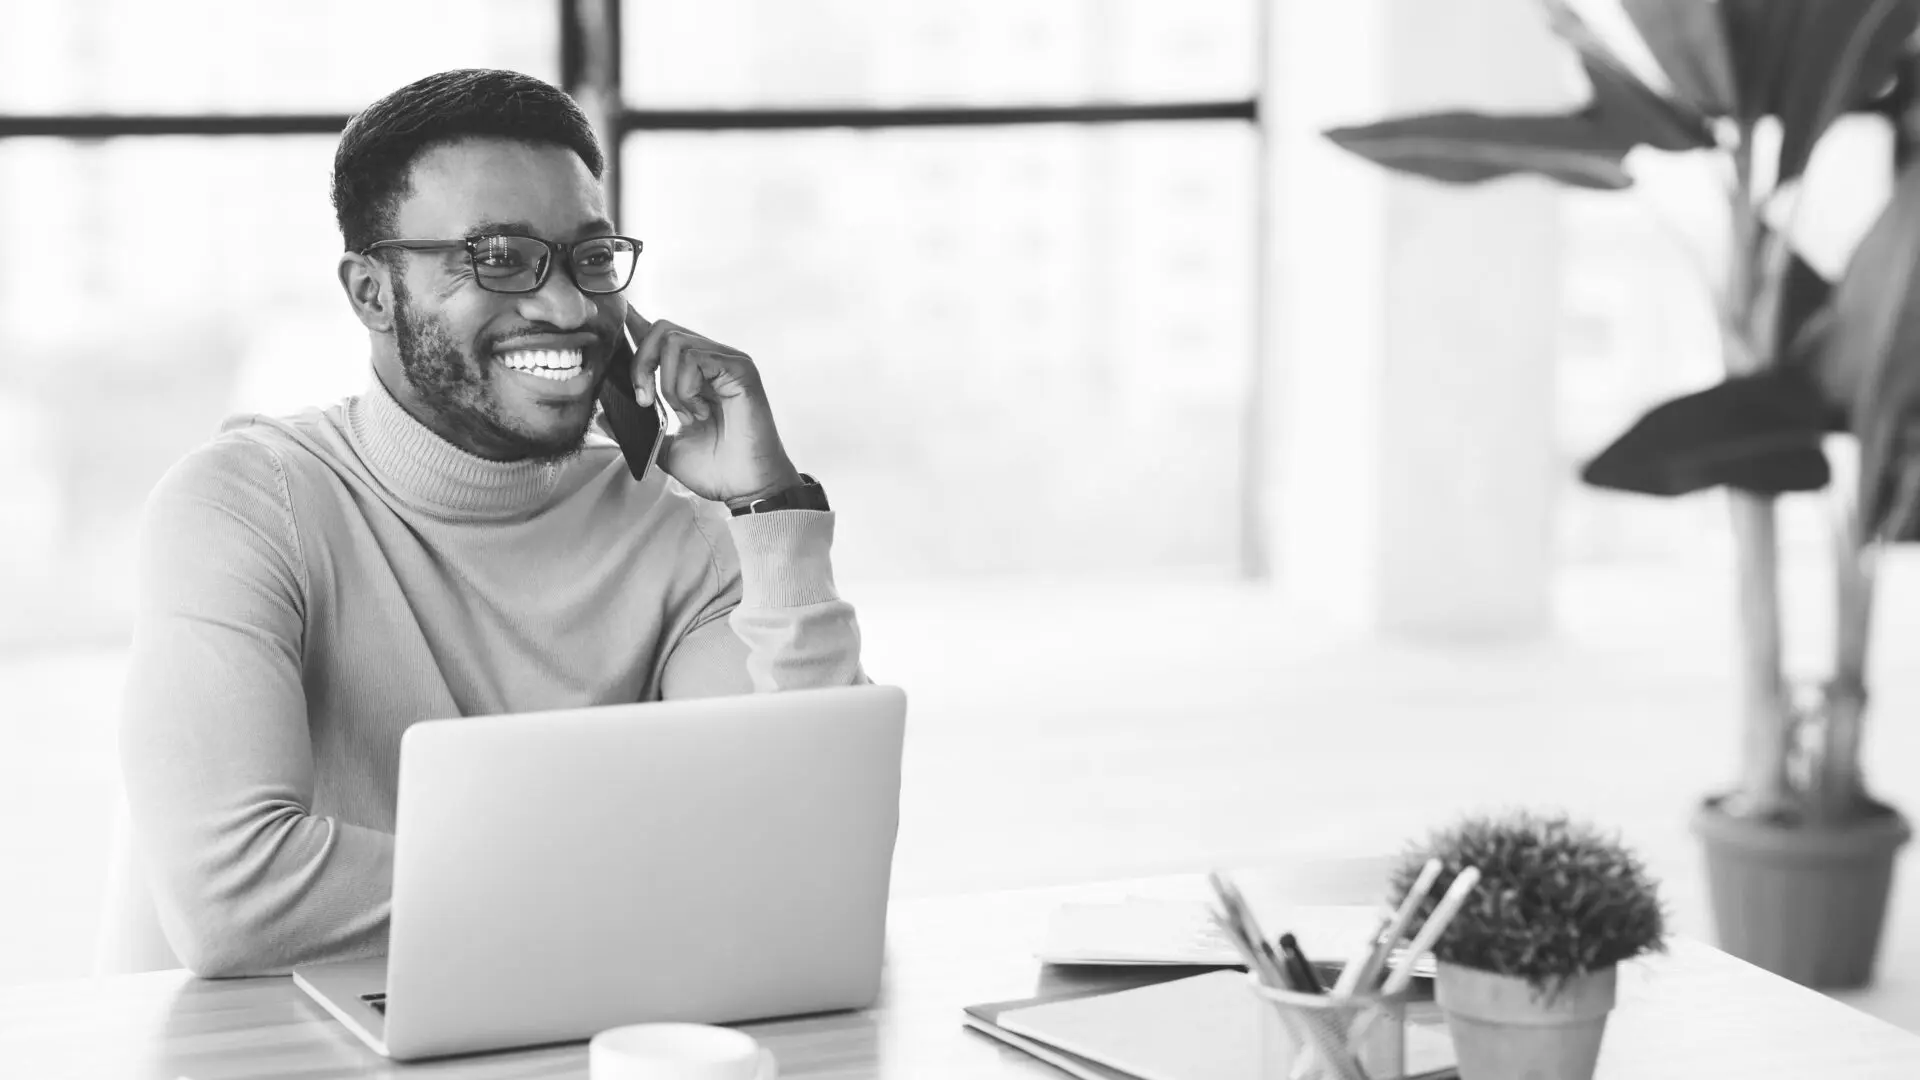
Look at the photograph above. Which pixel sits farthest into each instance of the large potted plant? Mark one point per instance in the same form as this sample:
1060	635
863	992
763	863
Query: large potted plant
1528	965
1799	854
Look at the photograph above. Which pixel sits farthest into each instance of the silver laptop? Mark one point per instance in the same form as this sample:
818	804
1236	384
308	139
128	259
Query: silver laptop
555	874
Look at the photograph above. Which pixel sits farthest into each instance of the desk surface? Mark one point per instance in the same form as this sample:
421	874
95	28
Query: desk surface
1694	1013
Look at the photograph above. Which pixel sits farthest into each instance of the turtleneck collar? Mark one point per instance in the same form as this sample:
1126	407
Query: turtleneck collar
437	476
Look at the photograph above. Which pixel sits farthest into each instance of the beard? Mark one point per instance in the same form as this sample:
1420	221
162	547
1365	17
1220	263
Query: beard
456	389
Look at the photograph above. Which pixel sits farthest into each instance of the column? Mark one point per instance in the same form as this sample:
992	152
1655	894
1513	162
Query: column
1412	332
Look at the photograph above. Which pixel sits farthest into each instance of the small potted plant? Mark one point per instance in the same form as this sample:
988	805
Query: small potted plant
1527	966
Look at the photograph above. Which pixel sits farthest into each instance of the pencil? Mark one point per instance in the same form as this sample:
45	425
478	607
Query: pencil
1349	980
1241	913
1430	932
1367	976
1257	962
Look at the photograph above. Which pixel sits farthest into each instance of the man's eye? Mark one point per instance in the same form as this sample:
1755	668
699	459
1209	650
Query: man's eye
501	255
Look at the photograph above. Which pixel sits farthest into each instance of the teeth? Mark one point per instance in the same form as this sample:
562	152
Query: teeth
556	364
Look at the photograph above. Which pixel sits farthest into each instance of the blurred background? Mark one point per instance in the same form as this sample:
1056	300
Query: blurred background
1213	494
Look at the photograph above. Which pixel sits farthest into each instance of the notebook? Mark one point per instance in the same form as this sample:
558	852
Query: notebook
1205	1027
985	1019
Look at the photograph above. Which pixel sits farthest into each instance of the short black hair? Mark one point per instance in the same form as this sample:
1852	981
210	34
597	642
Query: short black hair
373	165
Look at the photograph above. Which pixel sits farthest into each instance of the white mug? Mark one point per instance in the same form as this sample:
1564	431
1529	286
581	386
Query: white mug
678	1052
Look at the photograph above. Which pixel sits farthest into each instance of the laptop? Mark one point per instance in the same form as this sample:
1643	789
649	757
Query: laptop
714	860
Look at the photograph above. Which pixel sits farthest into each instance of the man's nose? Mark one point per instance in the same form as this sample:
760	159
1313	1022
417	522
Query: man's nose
558	302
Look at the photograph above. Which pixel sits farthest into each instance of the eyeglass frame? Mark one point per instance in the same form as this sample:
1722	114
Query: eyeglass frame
556	253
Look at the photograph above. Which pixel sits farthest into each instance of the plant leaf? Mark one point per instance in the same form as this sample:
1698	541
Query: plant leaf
1872	357
1759	433
1805	319
1802	329
1689	41
1809	61
1844	54
1803	351
1622	104
1760	35
1468	148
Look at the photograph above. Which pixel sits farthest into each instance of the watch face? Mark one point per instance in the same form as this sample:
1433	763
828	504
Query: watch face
810	495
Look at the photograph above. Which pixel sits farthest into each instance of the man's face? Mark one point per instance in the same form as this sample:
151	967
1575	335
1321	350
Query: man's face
457	342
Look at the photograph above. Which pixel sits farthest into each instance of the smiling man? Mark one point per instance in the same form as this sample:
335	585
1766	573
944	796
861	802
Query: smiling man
457	540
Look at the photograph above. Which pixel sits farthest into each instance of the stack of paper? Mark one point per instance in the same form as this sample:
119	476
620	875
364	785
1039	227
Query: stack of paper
1154	931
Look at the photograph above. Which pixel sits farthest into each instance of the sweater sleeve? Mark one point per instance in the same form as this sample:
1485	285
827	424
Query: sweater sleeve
777	621
214	744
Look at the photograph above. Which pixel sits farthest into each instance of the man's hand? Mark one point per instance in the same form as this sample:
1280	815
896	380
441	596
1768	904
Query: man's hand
727	448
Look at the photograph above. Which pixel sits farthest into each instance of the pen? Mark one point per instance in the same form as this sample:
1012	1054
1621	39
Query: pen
1309	983
1367	976
1255	940
1230	899
1241	913
1430	932
1259	963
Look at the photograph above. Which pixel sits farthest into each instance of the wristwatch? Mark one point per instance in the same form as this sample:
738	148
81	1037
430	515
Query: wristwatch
806	495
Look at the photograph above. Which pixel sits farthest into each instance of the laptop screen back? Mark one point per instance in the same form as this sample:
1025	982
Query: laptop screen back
714	860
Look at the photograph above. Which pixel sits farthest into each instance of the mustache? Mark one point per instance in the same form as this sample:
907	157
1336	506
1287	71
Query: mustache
603	339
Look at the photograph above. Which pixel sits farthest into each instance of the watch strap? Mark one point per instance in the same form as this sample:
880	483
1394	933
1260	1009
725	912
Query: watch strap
806	495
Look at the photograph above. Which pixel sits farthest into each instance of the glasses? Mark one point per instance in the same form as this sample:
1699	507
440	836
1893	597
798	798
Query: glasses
505	263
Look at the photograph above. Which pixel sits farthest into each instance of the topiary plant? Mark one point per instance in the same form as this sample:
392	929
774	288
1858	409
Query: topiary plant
1556	899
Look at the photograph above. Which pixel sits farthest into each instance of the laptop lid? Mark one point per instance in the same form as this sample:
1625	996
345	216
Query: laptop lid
711	860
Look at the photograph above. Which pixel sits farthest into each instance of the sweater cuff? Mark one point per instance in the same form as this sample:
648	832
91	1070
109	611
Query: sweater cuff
784	558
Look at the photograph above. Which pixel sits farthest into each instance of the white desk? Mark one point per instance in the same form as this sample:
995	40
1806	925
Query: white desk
1697	1013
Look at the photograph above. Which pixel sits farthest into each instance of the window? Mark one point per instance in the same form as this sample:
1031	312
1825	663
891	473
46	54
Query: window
232	56
176	280
866	53
1005	359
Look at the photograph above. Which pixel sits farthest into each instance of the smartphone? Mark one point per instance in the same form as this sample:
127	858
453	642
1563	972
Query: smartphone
640	431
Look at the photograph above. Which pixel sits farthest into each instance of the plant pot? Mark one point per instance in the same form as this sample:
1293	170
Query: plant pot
1505	1029
1804	902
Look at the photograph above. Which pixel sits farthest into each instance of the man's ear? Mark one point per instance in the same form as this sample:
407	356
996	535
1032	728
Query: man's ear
368	290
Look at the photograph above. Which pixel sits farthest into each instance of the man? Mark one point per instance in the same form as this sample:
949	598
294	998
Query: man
453	541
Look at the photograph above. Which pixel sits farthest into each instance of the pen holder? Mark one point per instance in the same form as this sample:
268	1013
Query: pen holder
1322	1037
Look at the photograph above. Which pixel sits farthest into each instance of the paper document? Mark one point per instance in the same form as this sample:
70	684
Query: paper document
1157	931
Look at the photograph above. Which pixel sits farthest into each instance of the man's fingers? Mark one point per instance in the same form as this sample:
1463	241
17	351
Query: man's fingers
690	380
637	327
667	359
647	354
690	367
679	375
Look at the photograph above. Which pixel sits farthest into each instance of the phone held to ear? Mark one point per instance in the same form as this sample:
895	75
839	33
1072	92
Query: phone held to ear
640	431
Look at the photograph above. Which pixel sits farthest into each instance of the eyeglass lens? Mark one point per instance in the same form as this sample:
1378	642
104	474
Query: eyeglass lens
519	263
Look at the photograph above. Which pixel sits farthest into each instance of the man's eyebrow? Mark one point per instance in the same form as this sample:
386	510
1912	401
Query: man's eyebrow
596	227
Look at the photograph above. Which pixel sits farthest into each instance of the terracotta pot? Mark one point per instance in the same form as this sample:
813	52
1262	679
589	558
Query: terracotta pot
1505	1029
1806	903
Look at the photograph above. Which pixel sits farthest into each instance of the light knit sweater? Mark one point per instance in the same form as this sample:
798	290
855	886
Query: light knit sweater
311	586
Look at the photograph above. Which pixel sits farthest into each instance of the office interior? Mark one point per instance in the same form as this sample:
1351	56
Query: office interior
1214	494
